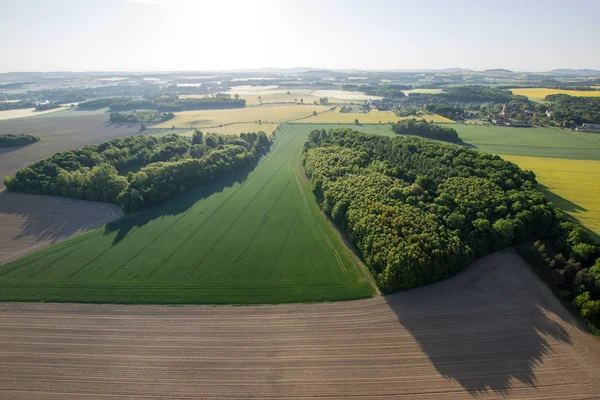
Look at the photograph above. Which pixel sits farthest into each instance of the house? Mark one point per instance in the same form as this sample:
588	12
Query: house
549	113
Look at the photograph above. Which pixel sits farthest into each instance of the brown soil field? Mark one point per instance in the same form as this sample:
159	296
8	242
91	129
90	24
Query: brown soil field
493	331
31	222
57	134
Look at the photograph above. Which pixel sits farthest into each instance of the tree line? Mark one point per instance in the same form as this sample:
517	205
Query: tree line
17	139
163	103
425	129
141	116
137	171
419	211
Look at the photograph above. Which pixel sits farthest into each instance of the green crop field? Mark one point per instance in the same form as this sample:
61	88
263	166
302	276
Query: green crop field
259	238
535	142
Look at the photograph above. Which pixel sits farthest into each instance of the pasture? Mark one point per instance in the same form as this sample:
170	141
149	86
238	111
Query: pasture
242	127
275	114
492	332
539	94
572	185
253	238
535	142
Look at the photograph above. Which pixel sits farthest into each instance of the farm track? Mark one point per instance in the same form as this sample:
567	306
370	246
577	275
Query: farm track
457	339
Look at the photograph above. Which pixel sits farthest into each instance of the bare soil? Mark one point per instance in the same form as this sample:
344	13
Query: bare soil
29	222
493	331
57	134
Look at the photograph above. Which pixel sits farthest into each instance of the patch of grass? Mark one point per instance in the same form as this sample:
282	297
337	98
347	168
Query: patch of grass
256	238
539	94
572	185
535	142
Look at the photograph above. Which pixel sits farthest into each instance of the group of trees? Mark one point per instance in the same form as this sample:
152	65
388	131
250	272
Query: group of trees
141	116
570	260
417	210
425	129
575	110
164	103
445	110
139	170
16	139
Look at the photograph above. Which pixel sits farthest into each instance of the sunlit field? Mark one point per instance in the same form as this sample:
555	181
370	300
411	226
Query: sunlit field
373	117
575	185
266	114
430	91
537	94
25	112
241	128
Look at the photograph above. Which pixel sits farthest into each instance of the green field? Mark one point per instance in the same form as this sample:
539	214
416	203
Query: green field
256	238
534	142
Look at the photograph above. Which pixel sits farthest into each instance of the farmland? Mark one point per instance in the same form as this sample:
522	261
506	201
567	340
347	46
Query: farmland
572	185
268	114
492	332
25	113
373	117
539	94
258	238
31	222
535	142
57	134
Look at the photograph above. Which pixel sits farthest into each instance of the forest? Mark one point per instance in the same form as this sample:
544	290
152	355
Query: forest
425	129
575	110
140	170
16	139
418	211
141	116
170	103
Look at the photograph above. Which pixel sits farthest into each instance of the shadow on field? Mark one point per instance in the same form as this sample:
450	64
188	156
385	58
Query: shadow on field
176	205
487	328
559	201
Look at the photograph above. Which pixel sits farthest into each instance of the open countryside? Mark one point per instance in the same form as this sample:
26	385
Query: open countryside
299	201
251	239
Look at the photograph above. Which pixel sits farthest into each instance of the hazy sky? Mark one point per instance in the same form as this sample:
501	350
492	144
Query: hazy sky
146	35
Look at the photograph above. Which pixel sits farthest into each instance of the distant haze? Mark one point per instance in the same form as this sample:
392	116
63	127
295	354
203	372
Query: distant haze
154	35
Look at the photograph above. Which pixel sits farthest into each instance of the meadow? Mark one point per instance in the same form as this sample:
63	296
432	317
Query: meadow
539	94
254	238
26	113
572	185
536	142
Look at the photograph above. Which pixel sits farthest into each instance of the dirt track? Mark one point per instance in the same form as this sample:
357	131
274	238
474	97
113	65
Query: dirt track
493	331
31	222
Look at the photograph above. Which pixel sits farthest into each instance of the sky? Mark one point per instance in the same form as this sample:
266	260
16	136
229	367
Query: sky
199	35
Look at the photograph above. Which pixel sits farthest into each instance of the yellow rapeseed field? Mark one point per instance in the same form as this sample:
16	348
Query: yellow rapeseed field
373	117
541	93
574	185
266	114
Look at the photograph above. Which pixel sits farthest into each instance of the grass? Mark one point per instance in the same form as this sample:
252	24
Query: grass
373	117
242	128
539	94
535	142
267	114
374	129
257	238
572	185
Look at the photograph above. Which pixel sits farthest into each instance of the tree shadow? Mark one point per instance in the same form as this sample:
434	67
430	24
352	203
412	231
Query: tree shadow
487	328
560	202
175	205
